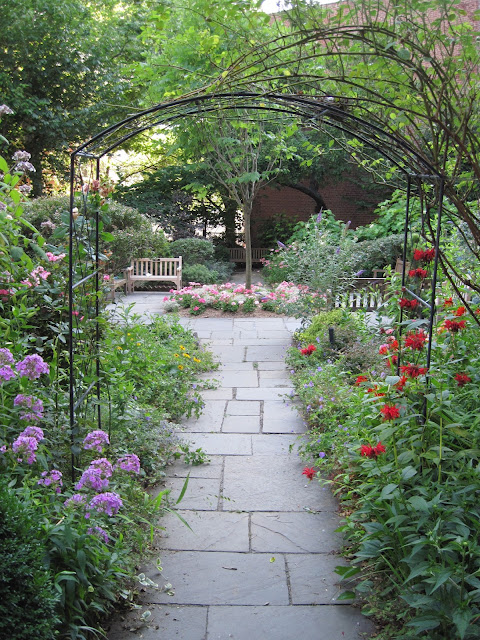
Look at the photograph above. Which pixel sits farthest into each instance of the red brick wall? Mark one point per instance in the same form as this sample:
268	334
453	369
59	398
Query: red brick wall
345	199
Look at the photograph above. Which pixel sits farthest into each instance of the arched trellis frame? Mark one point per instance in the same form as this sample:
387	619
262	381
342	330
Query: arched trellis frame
85	225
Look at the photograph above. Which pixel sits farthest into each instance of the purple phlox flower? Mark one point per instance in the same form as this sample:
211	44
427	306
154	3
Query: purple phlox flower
104	465
309	408
319	369
96	440
25	189
281	245
322	454
359	273
98	532
21	156
5	111
6	357
32	367
128	462
317	339
3	448
92	479
310	384
29	402
75	501
25	447
7	373
109	503
337	251
33	432
24	166
320	214
52	477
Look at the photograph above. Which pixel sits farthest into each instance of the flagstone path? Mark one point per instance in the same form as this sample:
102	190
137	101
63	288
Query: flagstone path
259	560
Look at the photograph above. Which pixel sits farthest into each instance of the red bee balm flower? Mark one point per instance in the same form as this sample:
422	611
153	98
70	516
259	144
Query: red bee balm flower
360	379
448	302
418	273
461	311
405	303
401	383
455	325
368	451
462	379
413	370
390	411
308	350
309	472
416	340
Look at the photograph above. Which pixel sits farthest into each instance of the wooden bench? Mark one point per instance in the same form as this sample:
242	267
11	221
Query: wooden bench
239	254
120	281
155	270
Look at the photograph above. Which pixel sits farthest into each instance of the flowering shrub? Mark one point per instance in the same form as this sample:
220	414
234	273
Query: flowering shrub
414	523
229	297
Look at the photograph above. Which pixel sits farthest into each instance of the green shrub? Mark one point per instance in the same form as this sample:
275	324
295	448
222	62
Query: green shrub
193	250
321	322
278	228
376	254
200	273
27	596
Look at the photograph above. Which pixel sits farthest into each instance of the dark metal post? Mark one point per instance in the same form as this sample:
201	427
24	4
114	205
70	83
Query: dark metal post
97	300
435	270
70	314
404	256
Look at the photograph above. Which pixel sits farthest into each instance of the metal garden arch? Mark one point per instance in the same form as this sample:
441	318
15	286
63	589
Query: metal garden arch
84	263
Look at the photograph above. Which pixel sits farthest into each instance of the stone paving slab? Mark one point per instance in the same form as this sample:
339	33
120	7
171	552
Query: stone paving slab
210	419
202	577
241	424
238	378
243	408
213	469
271	483
230	354
280	374
262	394
265	353
286	623
236	366
280	418
273	365
295	532
210	531
269	443
313	579
202	493
222	444
218	394
166	623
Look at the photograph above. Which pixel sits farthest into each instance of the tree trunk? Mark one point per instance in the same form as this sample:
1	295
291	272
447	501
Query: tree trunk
37	176
247	210
229	220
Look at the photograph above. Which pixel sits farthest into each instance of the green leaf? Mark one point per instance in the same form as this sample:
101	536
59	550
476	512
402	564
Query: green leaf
346	595
423	623
408	472
419	503
388	490
184	488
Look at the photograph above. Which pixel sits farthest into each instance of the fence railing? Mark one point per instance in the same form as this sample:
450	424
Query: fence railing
369	294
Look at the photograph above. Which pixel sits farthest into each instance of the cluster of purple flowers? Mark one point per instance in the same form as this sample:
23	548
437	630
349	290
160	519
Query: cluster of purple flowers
92	478
25	447
109	503
52	477
6	362
32	367
31	407
96	440
129	462
77	500
98	532
22	159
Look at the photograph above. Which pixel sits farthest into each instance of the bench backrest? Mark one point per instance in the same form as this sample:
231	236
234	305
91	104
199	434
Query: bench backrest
160	267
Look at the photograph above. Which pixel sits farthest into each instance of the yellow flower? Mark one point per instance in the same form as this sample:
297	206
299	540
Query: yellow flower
196	360
119	348
185	355
180	366
139	344
129	334
176	355
182	348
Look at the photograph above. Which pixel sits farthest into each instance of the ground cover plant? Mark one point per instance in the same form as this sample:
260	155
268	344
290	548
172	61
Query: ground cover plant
286	298
68	506
399	444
